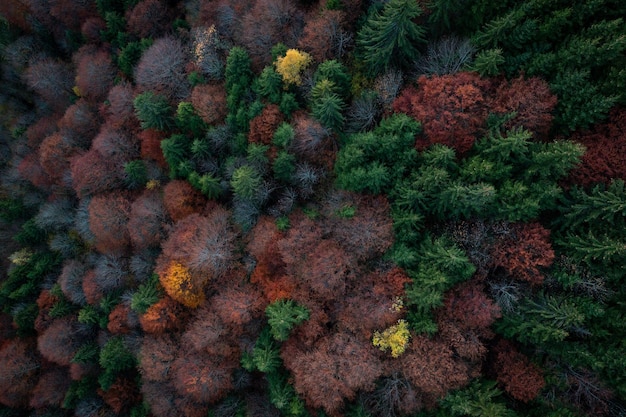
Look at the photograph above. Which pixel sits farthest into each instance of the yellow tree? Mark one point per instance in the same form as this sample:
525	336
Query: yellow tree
291	65
180	284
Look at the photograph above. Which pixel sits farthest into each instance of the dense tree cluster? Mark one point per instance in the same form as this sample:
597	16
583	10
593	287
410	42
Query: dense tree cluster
312	208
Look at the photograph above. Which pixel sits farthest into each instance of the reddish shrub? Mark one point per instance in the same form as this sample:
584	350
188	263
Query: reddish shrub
121	396
150	140
237	306
470	308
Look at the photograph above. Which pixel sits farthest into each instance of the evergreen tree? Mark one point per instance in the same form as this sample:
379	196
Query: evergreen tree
153	111
390	38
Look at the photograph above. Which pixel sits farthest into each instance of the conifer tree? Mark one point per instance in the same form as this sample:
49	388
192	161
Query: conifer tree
390	38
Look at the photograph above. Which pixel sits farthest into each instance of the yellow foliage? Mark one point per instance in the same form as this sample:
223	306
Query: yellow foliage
291	65
76	91
397	305
181	286
395	338
21	257
153	184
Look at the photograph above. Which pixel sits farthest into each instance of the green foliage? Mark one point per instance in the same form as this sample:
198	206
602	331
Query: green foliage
81	389
207	184
11	209
479	399
129	55
146	295
283	135
238	77
326	105
115	357
335	72
391	37
87	353
153	111
284	315
284	166
176	150
93	316
30	234
266	353
188	120
136	174
270	84
488	62
115	24
373	161
24	316
282	223
246	182
288	104
278	50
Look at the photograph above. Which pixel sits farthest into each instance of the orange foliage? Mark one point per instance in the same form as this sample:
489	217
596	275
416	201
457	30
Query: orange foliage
118	320
156	356
319	33
54	154
522	379
182	286
181	199
91	288
121	396
150	140
163	316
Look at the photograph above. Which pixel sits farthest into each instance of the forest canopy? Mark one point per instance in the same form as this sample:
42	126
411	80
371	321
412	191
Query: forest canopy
308	208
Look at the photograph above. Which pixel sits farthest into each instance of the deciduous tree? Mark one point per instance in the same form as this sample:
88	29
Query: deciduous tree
95	74
20	366
149	19
108	220
519	377
161	69
209	101
181	199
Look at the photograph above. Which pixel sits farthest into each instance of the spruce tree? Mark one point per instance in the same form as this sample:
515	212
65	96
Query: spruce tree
391	37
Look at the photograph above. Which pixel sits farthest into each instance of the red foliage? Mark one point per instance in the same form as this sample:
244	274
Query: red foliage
204	244
470	308
19	365
433	369
181	199
95	73
118	320
115	144
209	101
54	156
319	34
310	137
163	316
73	13
16	12
79	123
156	356
120	111
52	80
519	377
108	220
51	388
531	99
80	371
238	305
452	108
606	146
94	173
369	233
60	341
161	69
147	221
39	130
150	140
31	170
524	251
91	29
268	23
45	301
149	19
263	126
121	396
335	370
93	291
202	377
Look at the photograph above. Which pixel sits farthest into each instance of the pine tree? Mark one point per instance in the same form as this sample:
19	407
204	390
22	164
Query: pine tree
283	316
390	38
153	111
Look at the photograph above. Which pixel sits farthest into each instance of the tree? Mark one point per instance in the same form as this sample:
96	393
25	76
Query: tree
52	80
205	379
149	19
324	37
50	389
115	144
162	317
20	366
447	55
181	199
326	105
120	111
209	101
156	356
182	286
115	358
95	74
147	220
108	220
150	143
79	123
92	173
71	279
54	156
153	111
61	340
291	65
390	38
284	315
452	108
161	69
520	378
